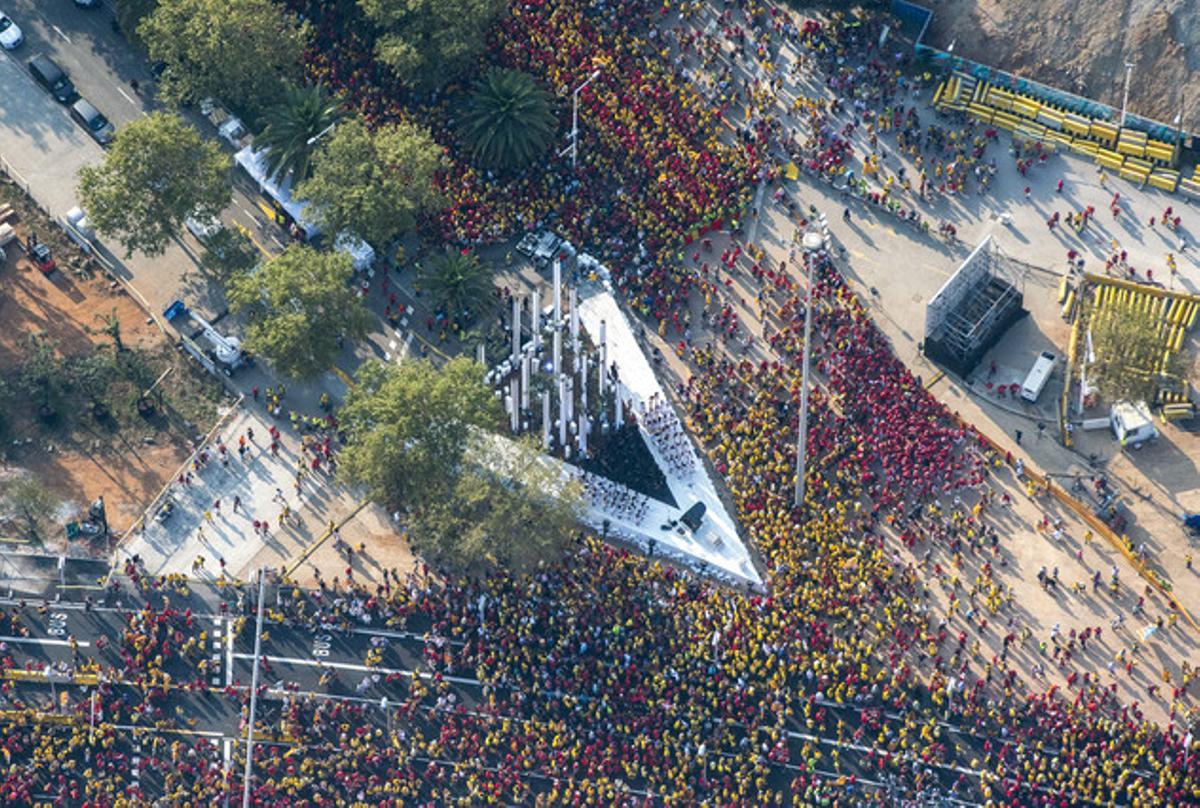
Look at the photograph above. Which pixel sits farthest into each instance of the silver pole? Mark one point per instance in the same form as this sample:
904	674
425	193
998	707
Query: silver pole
575	118
516	328
1125	99
92	720
546	419
575	128
262	583
802	433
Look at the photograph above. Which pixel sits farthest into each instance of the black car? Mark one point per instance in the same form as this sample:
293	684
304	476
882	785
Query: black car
90	118
46	73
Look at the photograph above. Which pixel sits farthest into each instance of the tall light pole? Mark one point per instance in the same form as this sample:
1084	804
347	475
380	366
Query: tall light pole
802	430
262	580
321	134
574	147
1125	99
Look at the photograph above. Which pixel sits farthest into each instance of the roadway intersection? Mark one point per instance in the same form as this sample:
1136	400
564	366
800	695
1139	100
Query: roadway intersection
389	675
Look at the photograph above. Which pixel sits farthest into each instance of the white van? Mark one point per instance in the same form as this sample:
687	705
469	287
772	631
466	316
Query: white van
1131	423
1038	376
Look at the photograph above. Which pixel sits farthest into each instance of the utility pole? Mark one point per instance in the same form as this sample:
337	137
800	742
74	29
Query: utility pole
1125	99
802	430
262	581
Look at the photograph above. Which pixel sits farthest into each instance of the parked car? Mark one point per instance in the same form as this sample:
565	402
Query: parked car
46	73
10	35
96	124
203	229
88	3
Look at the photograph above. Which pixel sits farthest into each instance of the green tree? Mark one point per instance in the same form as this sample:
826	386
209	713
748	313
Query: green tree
238	52
41	375
408	427
299	305
25	499
158	172
111	329
227	253
91	376
510	507
1129	349
292	128
457	281
509	121
430	42
373	185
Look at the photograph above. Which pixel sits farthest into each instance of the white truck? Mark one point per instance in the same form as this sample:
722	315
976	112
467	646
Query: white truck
210	347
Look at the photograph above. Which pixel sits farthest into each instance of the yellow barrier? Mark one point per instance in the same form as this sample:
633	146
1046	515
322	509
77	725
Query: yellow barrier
1164	182
1077	125
1134	173
1086	148
1129	147
1102	131
1066	309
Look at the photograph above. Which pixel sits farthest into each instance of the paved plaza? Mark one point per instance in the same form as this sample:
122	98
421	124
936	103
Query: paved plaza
204	522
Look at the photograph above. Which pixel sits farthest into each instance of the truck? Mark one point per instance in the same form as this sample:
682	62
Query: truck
1131	423
1039	374
210	347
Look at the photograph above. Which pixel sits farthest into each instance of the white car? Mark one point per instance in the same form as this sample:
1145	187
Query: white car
10	35
203	229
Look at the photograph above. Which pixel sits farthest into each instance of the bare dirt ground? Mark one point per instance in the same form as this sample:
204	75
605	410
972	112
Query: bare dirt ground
126	459
1083	45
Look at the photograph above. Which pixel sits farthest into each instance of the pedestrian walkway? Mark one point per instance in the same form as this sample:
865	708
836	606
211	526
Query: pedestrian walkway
215	504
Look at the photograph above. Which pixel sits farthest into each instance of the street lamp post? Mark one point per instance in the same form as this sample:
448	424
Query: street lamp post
321	134
802	430
1125	99
574	147
262	580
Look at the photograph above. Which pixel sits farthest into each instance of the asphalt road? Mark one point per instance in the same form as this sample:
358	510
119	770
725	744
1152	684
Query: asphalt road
47	149
294	657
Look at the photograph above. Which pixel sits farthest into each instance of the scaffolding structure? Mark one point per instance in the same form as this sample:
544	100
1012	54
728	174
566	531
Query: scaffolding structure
974	308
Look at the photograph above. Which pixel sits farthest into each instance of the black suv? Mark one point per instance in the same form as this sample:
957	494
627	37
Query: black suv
46	73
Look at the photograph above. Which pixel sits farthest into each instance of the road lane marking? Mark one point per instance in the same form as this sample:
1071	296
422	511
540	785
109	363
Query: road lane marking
126	96
37	641
348	666
59	31
401	635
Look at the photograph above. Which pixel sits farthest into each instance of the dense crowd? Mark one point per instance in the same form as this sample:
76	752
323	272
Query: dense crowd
611	679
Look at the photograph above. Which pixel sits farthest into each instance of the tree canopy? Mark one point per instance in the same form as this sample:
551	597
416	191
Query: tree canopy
458	282
408	427
299	304
510	507
430	42
27	501
158	172
373	184
292	128
420	440
238	52
509	121
1129	351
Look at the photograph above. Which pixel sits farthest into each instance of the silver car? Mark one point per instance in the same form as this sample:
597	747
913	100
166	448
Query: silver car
90	118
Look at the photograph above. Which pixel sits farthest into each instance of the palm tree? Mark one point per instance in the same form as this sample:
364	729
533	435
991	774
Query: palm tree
292	128
460	284
509	121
